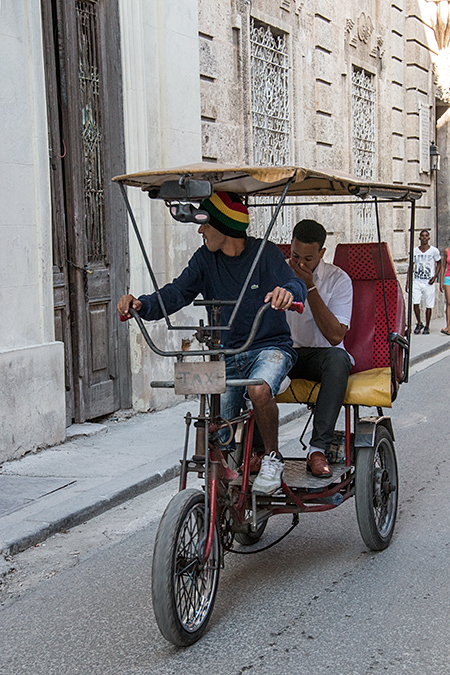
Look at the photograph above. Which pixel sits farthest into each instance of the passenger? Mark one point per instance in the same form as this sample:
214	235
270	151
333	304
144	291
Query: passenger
218	270
318	335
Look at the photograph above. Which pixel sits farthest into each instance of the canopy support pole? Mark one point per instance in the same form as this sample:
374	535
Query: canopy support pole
409	284
144	253
260	250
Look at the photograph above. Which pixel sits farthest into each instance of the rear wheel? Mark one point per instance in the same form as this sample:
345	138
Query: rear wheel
183	586
376	490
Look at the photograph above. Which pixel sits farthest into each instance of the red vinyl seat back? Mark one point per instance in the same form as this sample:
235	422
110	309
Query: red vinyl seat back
286	249
366	339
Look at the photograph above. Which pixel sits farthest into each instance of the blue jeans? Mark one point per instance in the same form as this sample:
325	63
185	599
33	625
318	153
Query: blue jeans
268	363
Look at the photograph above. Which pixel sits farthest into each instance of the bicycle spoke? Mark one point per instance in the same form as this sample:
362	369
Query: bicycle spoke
194	581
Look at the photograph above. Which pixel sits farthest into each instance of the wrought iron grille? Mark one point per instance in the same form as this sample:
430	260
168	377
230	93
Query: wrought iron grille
270	115
363	103
363	121
270	96
90	104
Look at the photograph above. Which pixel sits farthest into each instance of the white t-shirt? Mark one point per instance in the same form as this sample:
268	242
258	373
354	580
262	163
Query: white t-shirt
336	290
425	263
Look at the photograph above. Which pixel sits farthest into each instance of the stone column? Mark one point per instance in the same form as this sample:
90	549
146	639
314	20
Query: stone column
32	396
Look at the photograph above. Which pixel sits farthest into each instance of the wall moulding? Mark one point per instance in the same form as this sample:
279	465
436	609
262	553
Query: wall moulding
296	5
361	35
273	21
365	27
242	6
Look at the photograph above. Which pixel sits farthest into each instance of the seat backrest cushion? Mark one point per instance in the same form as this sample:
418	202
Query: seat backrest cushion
362	261
366	339
286	249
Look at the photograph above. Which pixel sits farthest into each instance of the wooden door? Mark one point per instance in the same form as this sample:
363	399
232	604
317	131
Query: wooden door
82	52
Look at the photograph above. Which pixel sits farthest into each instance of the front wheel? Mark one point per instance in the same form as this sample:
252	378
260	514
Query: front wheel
183	586
376	490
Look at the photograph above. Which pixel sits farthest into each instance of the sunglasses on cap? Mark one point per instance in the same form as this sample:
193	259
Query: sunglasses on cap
187	213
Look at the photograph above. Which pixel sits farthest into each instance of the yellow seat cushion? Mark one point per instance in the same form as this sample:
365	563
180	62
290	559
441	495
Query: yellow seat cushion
369	388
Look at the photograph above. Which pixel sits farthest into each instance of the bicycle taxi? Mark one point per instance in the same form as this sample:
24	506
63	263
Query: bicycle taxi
200	526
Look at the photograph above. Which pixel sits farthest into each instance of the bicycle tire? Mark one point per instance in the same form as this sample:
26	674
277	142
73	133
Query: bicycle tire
183	588
376	491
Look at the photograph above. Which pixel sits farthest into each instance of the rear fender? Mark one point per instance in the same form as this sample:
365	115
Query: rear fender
366	428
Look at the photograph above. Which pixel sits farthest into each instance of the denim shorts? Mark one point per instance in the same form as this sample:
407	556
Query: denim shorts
268	363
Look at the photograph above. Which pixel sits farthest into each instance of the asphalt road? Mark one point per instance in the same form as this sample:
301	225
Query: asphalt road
318	604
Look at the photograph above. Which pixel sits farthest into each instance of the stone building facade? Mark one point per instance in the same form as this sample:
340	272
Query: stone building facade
346	86
89	89
31	361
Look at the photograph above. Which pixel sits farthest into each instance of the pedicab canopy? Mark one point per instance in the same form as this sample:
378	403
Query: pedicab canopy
270	181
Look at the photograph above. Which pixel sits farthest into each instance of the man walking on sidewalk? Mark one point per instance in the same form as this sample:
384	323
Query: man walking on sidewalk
427	265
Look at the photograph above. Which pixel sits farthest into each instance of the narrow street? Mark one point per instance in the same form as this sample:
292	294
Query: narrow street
318	603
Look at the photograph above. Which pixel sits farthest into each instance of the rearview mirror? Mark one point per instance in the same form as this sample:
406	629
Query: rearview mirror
188	191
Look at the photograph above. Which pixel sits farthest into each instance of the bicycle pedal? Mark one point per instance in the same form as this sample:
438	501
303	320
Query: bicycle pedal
278	493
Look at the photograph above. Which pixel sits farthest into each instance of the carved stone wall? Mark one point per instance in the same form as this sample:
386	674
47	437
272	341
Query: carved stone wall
392	42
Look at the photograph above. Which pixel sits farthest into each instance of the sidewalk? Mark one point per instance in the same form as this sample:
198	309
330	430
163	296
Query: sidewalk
100	466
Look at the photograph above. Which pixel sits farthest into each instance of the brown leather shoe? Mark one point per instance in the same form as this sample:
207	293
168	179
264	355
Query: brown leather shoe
318	465
255	463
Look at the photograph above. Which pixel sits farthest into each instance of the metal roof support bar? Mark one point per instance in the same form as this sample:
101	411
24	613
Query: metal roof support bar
260	250
410	280
144	253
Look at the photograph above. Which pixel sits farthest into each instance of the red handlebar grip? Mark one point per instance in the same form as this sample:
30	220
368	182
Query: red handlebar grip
122	317
297	307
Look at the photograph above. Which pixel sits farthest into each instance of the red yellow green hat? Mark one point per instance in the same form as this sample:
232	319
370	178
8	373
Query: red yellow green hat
227	213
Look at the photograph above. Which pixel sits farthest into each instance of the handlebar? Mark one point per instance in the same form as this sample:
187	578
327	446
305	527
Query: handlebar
170	384
295	306
218	303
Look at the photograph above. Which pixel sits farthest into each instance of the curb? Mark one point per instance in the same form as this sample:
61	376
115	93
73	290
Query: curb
429	354
51	524
53	519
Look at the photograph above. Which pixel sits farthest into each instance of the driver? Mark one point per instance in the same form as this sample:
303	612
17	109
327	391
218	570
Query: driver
318	335
217	270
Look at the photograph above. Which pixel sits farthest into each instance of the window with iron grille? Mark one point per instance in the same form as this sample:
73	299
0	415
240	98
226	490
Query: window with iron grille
89	82
363	132
270	95
270	113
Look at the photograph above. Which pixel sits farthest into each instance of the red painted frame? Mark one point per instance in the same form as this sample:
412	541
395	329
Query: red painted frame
300	501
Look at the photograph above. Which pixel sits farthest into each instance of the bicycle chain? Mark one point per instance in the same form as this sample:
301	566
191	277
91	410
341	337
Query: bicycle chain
226	534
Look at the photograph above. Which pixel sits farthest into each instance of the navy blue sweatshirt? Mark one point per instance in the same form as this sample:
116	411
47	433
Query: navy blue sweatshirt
218	276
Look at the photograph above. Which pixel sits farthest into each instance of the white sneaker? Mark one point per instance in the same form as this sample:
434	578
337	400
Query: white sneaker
268	479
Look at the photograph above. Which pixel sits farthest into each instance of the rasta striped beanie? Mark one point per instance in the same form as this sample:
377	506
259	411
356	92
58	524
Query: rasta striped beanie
227	213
